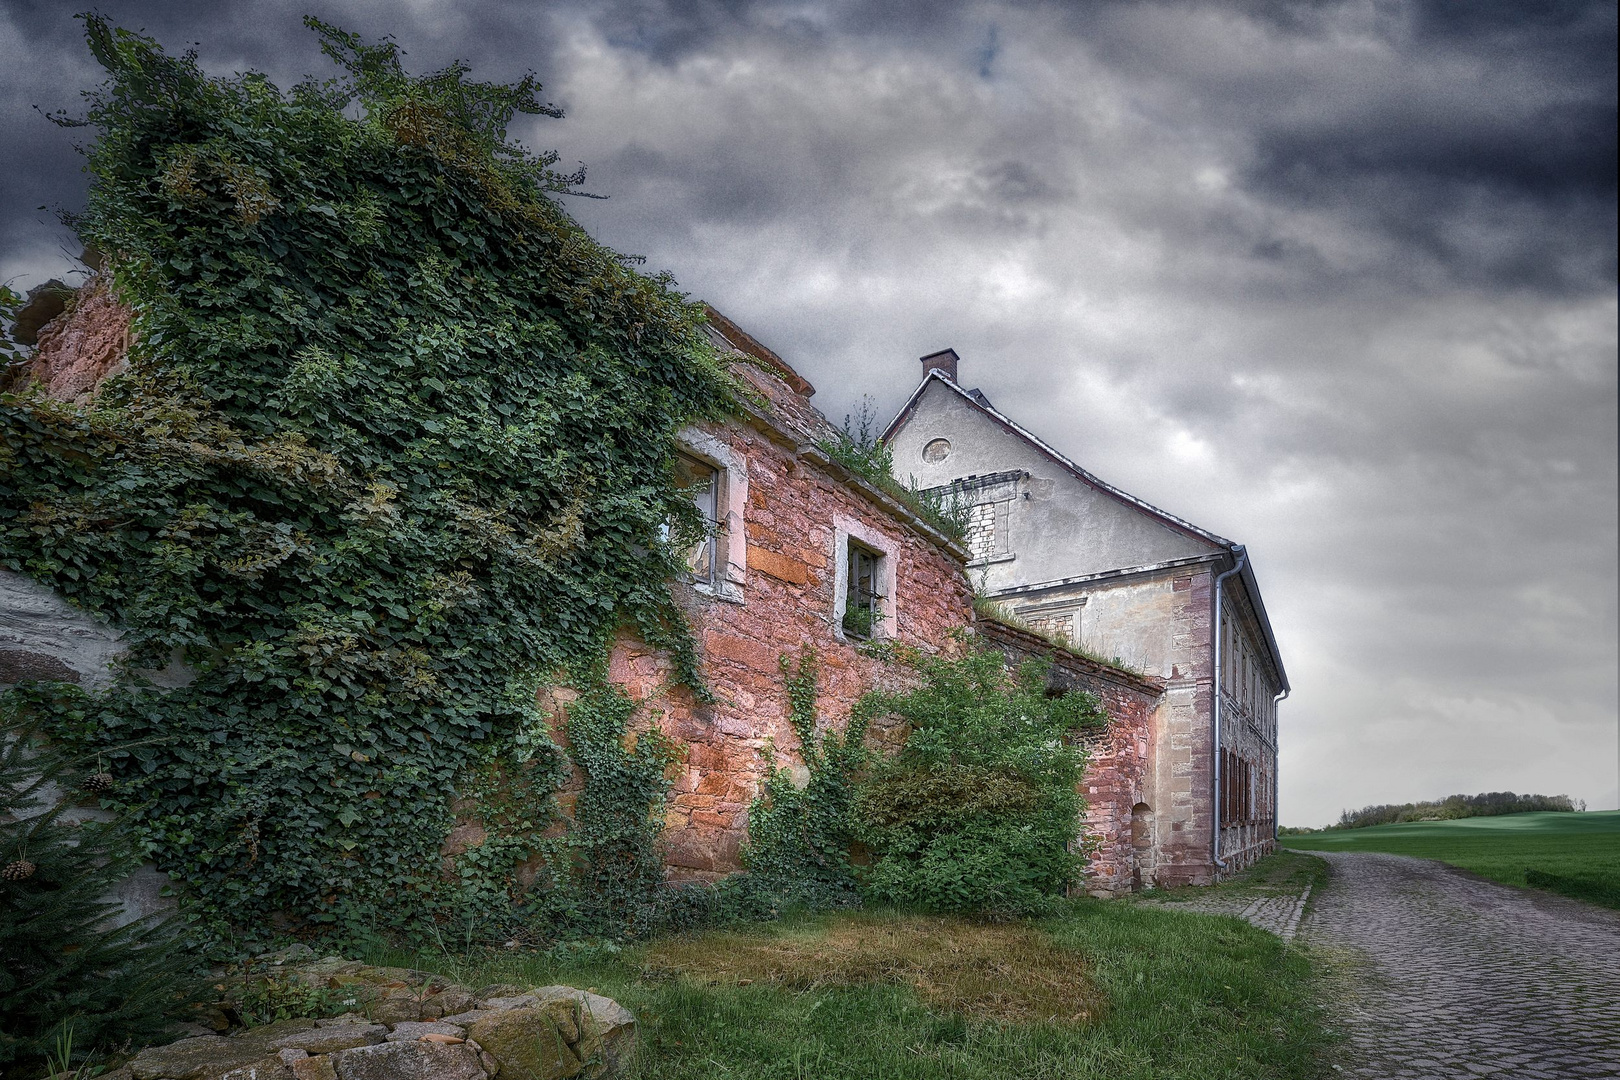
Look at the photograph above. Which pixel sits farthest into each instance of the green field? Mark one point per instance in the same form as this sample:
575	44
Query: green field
1577	855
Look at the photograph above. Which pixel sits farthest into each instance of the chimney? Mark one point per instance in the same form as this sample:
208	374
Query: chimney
943	362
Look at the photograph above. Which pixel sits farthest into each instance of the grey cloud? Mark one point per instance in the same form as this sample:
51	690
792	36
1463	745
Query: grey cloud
1335	279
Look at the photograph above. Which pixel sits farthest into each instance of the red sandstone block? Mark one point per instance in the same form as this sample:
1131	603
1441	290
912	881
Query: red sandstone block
740	650
778	566
711	819
712	783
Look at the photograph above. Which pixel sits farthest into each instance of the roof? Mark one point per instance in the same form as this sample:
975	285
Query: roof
780	404
746	343
1231	548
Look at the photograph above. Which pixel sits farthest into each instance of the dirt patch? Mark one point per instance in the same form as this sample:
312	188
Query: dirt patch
1010	973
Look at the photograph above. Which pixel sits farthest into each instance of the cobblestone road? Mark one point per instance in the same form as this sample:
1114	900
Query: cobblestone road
1439	975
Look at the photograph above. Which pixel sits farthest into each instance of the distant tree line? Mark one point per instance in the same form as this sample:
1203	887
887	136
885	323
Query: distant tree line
1485	804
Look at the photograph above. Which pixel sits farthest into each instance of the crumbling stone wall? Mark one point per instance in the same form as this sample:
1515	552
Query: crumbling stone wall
1118	774
82	346
795	497
797	502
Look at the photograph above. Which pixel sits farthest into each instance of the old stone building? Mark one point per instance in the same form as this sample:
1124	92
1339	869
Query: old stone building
1071	555
803	555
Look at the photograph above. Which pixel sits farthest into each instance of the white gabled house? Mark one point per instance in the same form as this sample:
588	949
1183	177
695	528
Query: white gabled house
1128	582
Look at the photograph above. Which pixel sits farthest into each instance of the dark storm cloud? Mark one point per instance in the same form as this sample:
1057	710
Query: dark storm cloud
1333	278
45	66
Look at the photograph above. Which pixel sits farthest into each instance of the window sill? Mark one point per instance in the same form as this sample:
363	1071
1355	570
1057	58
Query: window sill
728	591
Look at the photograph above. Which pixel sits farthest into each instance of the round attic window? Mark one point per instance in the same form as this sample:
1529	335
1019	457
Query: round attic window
938	450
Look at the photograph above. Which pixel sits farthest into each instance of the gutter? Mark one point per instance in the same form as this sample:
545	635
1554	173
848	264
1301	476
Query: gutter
1215	713
1276	762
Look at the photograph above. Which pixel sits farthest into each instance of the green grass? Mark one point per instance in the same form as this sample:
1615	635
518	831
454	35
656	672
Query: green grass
1173	996
1281	872
1577	855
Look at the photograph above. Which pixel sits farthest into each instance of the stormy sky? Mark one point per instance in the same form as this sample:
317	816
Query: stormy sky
1334	279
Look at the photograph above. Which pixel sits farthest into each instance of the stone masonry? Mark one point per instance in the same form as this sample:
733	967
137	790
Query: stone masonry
800	508
1118	772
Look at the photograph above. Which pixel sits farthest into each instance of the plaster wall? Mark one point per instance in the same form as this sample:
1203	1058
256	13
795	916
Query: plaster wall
1058	526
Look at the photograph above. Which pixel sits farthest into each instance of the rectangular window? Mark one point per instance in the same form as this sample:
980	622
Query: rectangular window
863	596
701	482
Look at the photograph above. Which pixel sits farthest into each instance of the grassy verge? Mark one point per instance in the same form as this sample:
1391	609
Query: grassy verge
1577	855
1101	990
1284	871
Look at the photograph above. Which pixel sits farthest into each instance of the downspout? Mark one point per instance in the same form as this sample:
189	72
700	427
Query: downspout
1276	761
1215	712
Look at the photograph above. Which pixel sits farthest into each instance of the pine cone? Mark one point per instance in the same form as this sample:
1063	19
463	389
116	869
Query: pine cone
98	782
21	870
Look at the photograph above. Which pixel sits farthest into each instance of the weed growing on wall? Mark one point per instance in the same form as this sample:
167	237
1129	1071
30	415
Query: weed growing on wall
616	866
979	810
857	448
393	449
799	833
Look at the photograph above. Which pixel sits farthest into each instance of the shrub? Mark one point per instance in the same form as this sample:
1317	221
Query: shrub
68	971
979	810
799	837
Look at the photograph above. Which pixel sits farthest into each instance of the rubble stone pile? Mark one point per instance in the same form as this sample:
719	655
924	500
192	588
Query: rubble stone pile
408	1025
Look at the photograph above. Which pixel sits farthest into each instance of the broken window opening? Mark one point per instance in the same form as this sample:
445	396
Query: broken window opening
863	599
701	483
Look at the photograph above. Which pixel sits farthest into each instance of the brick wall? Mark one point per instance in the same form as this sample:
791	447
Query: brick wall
796	501
1118	774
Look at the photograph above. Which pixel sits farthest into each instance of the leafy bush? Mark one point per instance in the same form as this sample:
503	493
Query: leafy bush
394	449
798	850
268	1000
979	810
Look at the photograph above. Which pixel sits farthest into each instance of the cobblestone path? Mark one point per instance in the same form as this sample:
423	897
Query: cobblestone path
1437	974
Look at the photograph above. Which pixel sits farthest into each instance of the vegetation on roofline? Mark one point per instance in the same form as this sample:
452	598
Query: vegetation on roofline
858	449
393	451
995	611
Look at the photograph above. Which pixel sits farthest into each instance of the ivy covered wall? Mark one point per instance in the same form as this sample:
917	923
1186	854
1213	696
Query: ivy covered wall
391	452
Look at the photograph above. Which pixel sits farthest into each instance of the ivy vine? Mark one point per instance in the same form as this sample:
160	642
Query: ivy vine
800	829
393	451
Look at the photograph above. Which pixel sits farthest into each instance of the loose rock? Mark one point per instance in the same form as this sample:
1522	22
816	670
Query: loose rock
408	1061
414	1029
528	1045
